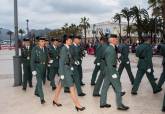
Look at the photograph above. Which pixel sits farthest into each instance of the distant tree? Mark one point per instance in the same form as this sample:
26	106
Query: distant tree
138	16
116	18
84	24
21	31
127	14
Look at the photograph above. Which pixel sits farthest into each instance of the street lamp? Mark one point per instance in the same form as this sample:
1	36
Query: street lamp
16	58
27	23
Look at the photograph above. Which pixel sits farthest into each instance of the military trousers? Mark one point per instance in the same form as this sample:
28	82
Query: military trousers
139	75
99	81
162	78
53	71
80	73
40	69
108	80
94	74
27	76
128	69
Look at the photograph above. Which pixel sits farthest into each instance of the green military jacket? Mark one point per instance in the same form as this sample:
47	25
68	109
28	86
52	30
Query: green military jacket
98	54
111	60
162	52
54	55
26	54
124	50
65	62
75	52
144	52
38	57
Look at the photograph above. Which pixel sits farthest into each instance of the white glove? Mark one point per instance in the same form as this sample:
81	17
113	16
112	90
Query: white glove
28	58
48	65
62	77
114	76
149	70
51	61
77	63
34	73
127	62
98	64
72	68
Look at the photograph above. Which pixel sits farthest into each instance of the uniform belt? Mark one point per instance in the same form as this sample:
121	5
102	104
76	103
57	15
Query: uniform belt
40	62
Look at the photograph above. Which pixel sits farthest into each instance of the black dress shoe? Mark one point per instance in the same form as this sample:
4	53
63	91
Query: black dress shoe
58	105
123	107
134	93
36	95
105	106
24	89
82	84
31	86
163	109
79	109
53	88
157	91
123	93
96	95
155	79
92	84
81	94
43	101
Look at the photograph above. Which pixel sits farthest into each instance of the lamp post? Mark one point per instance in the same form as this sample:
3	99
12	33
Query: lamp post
27	24
16	58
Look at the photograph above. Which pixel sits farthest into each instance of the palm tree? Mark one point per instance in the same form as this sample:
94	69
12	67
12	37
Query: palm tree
116	18
84	24
138	16
127	14
10	34
21	31
158	7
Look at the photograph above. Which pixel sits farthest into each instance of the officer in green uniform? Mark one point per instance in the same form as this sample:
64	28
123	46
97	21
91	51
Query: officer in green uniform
75	52
111	76
82	54
144	53
47	68
101	76
39	59
66	72
53	62
97	62
161	49
125	62
26	56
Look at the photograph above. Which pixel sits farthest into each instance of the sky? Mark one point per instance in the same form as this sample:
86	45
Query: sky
55	13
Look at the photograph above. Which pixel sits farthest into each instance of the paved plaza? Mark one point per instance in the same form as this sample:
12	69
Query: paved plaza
15	101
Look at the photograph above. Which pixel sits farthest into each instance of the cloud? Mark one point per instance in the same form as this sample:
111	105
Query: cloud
55	13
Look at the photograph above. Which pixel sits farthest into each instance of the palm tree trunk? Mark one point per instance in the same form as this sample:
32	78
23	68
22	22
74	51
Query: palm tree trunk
85	35
163	15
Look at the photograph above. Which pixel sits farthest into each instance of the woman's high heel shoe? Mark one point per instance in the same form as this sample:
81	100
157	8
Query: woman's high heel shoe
79	109
58	105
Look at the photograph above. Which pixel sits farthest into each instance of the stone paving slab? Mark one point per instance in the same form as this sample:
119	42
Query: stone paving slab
15	101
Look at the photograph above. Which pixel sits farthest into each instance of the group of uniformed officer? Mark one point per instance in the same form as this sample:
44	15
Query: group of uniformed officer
106	62
46	60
